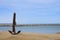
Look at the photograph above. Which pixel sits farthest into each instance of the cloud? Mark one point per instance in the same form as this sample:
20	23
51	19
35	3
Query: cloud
29	9
41	1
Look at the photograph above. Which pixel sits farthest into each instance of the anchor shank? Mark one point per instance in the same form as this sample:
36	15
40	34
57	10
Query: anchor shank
13	28
14	23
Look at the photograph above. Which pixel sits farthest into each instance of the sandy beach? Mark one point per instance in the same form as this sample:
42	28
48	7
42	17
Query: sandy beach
28	36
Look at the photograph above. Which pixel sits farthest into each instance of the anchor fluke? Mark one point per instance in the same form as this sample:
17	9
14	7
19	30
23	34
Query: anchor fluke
13	32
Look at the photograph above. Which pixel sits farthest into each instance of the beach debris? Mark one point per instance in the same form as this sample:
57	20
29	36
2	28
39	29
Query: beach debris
13	32
58	33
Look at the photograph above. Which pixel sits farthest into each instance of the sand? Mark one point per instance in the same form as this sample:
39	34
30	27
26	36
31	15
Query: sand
28	36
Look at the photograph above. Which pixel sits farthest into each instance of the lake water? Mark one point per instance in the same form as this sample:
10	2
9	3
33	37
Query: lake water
35	29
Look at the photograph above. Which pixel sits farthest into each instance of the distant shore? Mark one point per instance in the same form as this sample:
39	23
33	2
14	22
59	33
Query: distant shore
29	36
30	25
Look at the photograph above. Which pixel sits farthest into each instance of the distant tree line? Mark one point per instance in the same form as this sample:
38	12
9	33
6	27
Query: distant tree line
7	25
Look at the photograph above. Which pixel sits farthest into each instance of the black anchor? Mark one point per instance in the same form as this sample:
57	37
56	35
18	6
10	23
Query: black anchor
13	32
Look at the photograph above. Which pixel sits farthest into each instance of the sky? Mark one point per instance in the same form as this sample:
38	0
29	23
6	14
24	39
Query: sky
30	11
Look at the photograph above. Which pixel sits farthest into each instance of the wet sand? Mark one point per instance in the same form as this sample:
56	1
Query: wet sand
28	36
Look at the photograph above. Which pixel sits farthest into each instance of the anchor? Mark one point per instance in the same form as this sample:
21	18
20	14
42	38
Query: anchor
13	32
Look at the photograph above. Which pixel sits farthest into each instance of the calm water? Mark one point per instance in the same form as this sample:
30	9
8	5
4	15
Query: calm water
35	29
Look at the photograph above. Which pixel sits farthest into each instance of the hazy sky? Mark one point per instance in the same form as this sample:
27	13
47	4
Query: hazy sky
30	11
